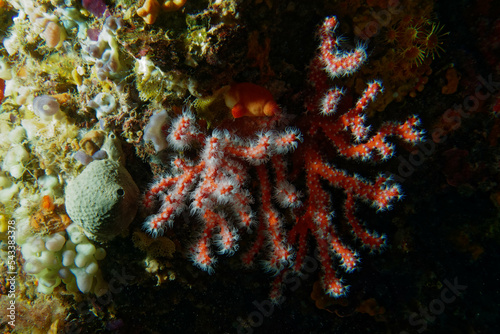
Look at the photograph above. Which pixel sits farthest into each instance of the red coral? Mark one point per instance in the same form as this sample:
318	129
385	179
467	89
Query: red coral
351	138
220	176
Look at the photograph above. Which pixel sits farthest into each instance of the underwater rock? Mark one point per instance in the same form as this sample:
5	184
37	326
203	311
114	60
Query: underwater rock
102	199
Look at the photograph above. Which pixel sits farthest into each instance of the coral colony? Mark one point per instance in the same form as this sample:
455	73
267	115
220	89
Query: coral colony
216	184
222	172
351	138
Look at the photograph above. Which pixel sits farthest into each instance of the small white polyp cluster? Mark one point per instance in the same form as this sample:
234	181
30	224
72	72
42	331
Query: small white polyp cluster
65	257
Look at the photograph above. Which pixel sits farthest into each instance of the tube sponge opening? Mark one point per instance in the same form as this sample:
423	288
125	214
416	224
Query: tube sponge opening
46	107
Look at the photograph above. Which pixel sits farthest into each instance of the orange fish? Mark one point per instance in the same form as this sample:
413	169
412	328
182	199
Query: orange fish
248	99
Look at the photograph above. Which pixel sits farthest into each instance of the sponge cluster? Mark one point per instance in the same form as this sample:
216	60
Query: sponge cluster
105	51
65	257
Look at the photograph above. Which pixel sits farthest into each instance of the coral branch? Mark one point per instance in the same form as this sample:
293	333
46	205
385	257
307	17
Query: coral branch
220	177
351	138
215	185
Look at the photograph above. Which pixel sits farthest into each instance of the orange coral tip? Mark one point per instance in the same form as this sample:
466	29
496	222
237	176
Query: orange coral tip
248	99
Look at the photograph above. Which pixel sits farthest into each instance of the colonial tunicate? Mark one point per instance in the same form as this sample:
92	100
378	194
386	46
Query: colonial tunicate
67	257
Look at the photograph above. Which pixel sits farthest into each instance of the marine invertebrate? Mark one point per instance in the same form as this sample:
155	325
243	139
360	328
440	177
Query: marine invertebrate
54	35
415	38
109	61
113	23
248	99
64	257
50	143
222	172
92	141
44	24
8	189
50	218
329	131
91	145
152	8
103	104
153	131
83	157
172	5
46	107
15	157
5	70
15	160
149	11
353	139
434	40
103	198
412	40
